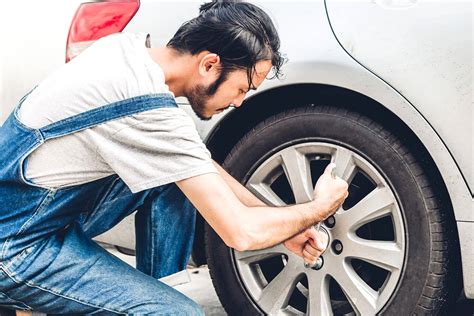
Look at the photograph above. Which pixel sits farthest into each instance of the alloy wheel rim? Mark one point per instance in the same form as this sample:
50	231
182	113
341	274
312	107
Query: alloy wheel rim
363	294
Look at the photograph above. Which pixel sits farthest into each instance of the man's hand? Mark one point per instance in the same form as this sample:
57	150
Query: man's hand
309	244
330	192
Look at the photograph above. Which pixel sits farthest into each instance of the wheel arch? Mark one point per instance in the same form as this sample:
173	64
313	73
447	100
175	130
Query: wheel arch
228	131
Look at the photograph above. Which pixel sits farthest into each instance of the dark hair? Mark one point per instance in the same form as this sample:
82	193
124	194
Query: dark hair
241	34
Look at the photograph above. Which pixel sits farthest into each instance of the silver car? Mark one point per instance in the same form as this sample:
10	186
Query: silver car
381	87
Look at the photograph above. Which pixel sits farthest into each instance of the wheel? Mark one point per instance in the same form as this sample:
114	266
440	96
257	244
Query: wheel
392	243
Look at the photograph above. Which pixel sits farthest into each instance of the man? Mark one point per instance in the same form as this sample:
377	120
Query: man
103	137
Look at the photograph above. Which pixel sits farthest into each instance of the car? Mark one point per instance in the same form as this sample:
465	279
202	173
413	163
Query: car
384	89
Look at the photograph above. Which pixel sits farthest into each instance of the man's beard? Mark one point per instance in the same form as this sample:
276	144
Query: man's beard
197	98
199	95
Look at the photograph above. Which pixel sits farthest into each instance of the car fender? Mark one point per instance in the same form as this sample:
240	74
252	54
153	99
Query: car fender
350	75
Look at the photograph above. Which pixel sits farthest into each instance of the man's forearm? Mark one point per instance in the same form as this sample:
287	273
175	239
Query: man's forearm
244	195
245	227
268	226
271	225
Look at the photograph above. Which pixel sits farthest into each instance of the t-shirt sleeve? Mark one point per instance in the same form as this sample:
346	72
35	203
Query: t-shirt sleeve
154	148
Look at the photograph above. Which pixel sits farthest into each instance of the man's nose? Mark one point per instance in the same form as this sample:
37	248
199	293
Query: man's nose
238	101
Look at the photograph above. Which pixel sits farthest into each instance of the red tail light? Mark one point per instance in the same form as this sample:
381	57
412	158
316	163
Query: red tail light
94	20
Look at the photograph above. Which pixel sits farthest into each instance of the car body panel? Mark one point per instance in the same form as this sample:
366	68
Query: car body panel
466	229
320	59
401	44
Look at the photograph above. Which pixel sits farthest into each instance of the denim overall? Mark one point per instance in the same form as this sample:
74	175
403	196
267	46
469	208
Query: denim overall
48	262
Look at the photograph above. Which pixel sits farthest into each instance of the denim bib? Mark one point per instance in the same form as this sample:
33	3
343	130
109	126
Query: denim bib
29	213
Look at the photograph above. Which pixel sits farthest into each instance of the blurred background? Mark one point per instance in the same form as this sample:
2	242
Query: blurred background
33	38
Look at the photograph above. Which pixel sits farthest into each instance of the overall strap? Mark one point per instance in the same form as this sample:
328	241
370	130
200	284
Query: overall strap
107	113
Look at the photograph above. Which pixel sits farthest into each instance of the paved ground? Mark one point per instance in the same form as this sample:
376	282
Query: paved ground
200	289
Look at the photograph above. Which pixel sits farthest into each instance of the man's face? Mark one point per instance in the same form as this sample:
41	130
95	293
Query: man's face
231	92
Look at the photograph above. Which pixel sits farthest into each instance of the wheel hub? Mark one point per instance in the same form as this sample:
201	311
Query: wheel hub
277	280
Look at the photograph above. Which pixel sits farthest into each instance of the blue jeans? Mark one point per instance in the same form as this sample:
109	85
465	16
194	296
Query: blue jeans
48	261
69	273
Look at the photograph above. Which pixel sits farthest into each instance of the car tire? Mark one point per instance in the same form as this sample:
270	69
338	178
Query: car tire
429	279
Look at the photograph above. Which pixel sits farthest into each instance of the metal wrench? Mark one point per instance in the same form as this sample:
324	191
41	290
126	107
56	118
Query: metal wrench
319	261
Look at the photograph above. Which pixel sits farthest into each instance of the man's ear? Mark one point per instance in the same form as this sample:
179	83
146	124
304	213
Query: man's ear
209	64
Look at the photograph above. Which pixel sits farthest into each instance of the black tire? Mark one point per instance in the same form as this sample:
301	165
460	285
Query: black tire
430	279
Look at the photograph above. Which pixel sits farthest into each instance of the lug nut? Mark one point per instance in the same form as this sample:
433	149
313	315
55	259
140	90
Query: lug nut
330	222
337	247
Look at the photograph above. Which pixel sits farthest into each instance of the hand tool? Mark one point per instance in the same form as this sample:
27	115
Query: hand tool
319	261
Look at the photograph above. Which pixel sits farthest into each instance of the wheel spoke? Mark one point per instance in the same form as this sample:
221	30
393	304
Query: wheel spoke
376	204
274	297
360	295
266	194
319	302
297	170
345	165
253	256
384	254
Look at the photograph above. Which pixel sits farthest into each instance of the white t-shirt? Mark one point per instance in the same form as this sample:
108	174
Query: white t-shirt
146	150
